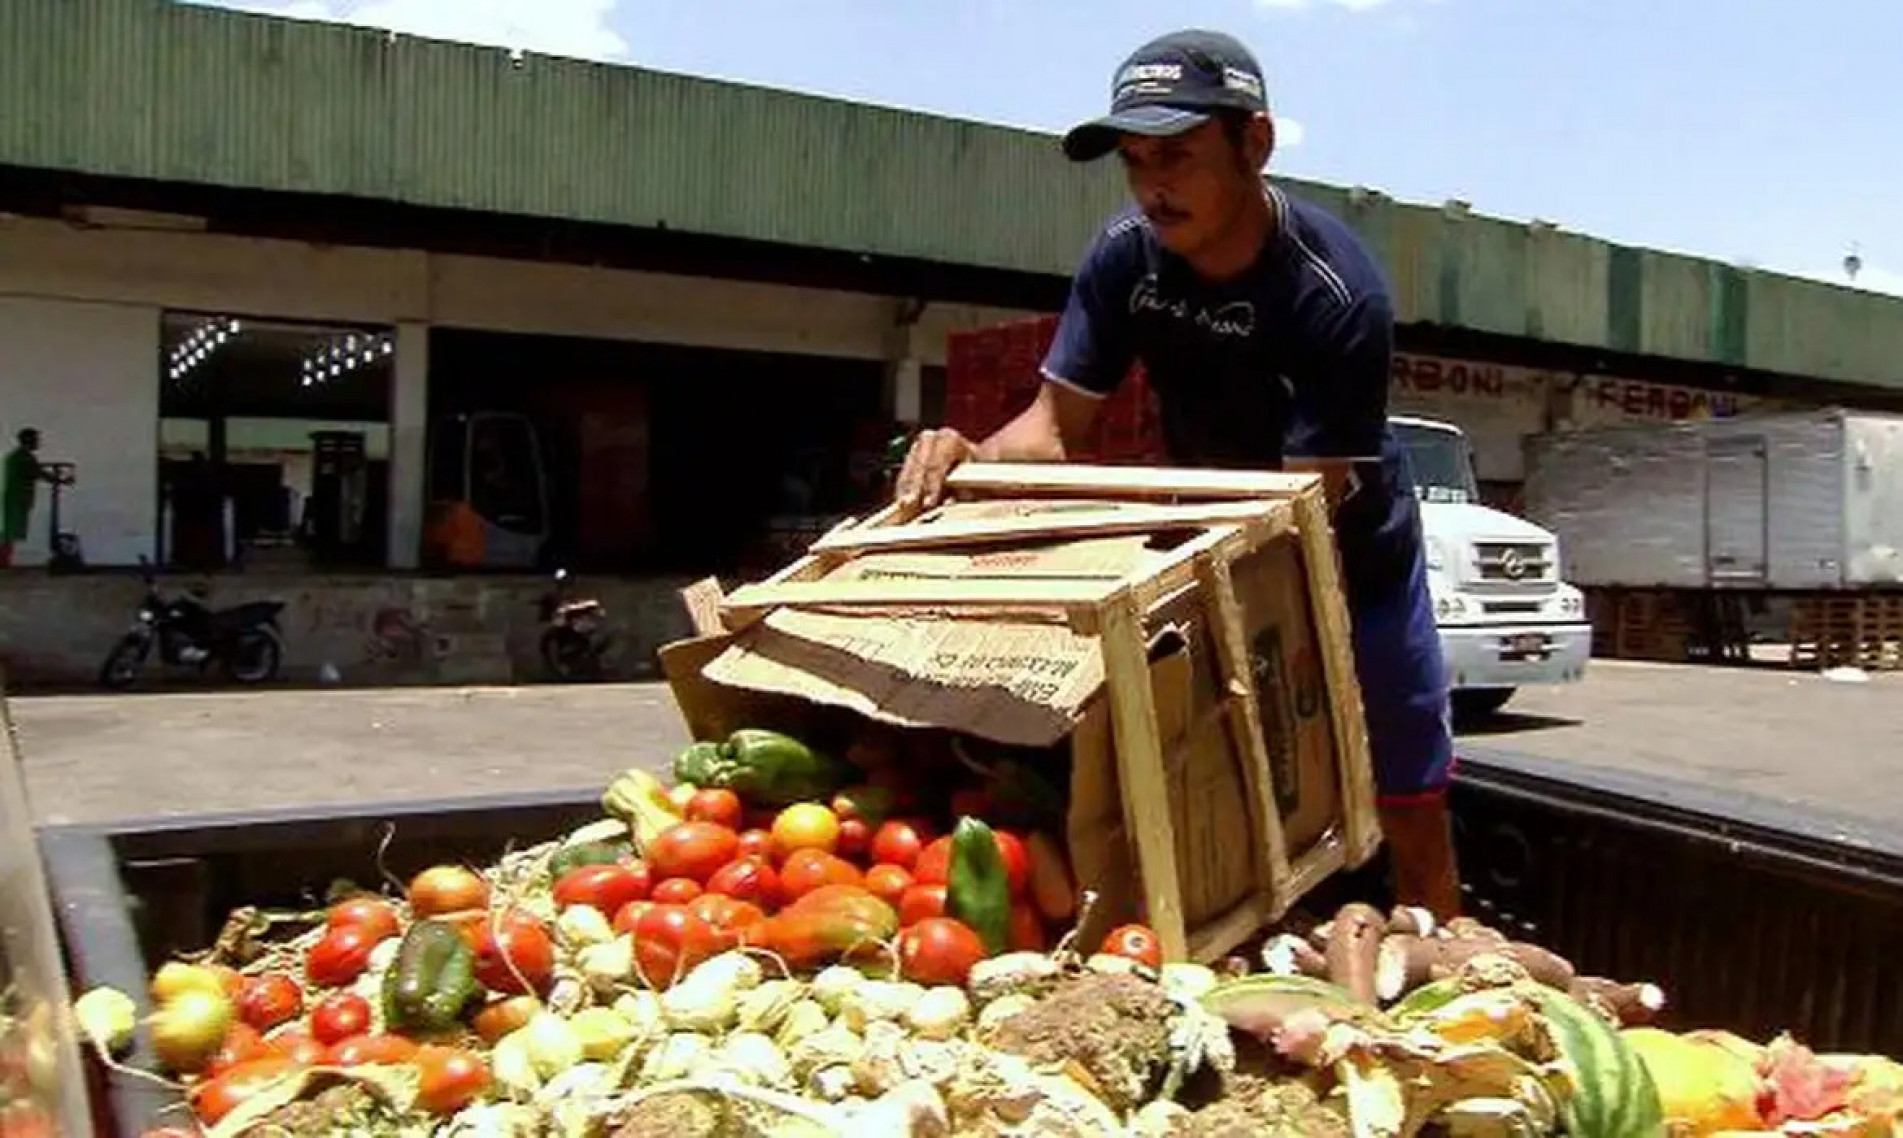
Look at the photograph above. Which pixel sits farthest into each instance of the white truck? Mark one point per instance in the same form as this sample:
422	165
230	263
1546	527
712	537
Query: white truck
1506	616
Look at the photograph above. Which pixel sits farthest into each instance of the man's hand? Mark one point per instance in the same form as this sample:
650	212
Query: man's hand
922	479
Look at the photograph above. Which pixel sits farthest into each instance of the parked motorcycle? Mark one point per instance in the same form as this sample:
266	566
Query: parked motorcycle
575	634
244	641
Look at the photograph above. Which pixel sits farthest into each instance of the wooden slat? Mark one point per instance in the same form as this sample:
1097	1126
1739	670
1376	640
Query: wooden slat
1027	479
1332	631
750	602
1143	782
814	565
702	601
1113	520
1245	735
1213	939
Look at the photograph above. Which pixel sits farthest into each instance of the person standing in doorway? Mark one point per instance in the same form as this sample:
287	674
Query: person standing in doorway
1266	332
23	475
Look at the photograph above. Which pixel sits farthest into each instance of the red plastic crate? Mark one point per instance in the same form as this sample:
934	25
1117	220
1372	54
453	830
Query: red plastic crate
992	373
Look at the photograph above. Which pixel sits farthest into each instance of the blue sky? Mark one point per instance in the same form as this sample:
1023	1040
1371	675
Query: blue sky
1745	130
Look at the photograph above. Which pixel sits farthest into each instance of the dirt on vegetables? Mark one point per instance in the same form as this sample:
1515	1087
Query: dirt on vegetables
1116	1028
1253	1107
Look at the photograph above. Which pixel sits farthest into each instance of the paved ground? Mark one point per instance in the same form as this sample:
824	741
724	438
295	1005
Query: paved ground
1790	737
93	758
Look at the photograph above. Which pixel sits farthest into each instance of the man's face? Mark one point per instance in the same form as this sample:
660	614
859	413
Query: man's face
1194	186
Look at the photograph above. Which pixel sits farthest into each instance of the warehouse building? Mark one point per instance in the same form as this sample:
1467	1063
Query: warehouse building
307	308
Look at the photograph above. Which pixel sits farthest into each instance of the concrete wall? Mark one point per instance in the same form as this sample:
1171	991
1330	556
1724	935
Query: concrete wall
294	280
56	631
83	373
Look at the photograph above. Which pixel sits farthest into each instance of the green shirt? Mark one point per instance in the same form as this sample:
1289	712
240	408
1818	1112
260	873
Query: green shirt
22	484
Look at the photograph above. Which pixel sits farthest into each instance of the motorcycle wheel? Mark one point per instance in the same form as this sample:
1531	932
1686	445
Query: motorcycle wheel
253	657
123	664
568	655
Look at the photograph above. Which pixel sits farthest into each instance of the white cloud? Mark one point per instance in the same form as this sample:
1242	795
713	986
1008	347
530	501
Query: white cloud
1289	132
577	28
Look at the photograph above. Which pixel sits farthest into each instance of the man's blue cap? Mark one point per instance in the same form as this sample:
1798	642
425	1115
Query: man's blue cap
1169	85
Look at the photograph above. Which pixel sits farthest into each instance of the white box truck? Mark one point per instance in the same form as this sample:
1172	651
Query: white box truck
1507	618
1782	502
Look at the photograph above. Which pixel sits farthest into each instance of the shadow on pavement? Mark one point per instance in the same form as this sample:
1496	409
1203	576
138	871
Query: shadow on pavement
1510	723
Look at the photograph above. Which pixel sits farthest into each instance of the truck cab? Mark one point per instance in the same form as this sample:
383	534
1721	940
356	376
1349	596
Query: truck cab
1506	616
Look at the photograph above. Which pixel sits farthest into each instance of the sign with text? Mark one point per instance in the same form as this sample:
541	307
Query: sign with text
1497	405
1600	401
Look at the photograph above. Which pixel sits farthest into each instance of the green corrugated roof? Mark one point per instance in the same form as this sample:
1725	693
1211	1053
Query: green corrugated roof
155	89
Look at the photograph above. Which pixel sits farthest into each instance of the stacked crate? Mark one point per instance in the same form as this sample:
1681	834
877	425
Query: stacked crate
993	373
1854	630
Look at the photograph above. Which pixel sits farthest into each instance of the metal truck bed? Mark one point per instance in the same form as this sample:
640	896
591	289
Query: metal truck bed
1752	918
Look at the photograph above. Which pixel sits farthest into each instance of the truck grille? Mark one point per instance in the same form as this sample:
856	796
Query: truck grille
1514	562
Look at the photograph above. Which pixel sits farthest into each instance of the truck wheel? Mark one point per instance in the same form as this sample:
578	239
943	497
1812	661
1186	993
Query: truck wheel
1474	704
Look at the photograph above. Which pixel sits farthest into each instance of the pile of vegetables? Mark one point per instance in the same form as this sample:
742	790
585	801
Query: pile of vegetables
785	943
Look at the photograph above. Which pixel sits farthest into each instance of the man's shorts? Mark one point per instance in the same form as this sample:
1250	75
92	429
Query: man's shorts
1404	686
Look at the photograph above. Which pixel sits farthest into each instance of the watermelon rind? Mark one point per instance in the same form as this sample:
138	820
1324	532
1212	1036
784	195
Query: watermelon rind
1613	1093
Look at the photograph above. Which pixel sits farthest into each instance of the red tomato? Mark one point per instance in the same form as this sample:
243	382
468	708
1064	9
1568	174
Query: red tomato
501	1016
669	940
359	1050
629	916
1027	928
447	889
339	1016
921	903
807	870
749	879
692	849
721	807
855	838
898	842
888	883
214	1098
677	891
452	1078
934	862
372	913
756	843
517	939
1017	861
340	957
242	1044
939	950
727	916
1135	942
270	1000
603	887
296	1045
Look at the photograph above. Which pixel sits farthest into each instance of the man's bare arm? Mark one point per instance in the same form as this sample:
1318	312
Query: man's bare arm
1046	431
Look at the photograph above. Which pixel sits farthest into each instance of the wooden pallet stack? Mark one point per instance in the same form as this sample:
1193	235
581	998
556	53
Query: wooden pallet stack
1180	633
1860	630
1640	624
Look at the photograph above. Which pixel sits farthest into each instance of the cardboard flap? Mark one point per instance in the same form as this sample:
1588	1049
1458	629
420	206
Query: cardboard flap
1018	683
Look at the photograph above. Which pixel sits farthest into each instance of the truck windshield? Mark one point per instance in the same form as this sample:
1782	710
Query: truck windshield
1438	463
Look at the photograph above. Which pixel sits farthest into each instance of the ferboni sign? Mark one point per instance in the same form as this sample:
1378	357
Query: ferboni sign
1498	405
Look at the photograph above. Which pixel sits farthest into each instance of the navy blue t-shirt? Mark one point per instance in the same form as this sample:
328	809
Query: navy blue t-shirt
1289	359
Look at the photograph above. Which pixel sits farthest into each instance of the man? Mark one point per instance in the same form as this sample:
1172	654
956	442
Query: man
23	476
1266	332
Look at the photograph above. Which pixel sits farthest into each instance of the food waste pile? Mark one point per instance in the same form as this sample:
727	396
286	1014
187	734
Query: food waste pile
786	944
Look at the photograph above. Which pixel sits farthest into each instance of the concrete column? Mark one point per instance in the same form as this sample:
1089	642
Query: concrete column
905	392
409	417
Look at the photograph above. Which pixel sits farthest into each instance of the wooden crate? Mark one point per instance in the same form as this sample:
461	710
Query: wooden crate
1159	618
1851	630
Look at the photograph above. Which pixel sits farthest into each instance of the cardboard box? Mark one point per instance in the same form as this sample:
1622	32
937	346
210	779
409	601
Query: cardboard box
1187	661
